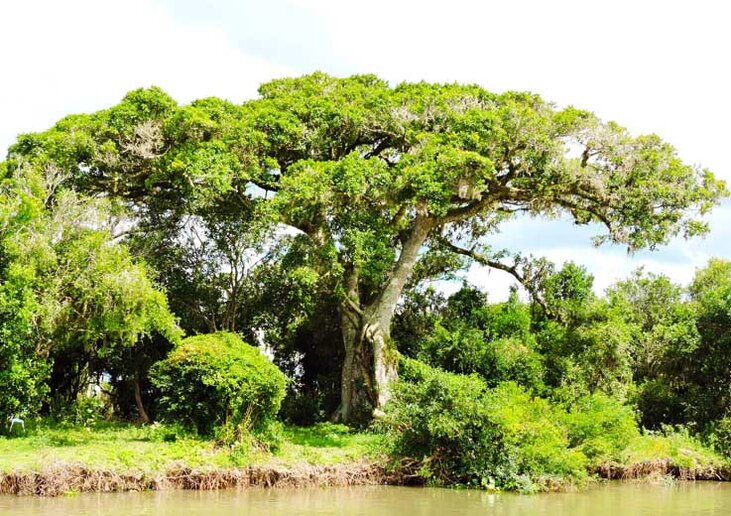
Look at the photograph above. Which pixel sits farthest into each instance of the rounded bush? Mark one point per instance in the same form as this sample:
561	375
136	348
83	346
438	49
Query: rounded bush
212	380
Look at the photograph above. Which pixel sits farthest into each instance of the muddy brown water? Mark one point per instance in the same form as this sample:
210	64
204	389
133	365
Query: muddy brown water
611	499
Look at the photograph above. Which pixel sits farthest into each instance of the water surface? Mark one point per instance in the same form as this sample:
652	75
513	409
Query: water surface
613	499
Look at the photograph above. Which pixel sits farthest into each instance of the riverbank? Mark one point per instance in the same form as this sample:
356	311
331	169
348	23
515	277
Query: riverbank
661	468
56	460
63	479
676	456
52	461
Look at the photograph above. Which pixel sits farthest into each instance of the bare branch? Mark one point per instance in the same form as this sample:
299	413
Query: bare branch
521	270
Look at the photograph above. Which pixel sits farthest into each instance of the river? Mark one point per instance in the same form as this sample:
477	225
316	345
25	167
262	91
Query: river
612	499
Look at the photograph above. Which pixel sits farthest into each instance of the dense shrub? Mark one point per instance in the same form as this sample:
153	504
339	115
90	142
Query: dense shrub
464	349
659	403
459	349
441	420
86	411
213	380
720	437
532	431
22	385
462	432
302	409
515	360
600	426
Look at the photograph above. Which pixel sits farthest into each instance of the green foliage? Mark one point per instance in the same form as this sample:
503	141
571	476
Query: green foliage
531	428
568	293
681	345
87	412
367	174
658	403
316	205
516	360
605	360
719	437
708	366
460	349
69	295
462	432
415	319
600	426
441	420
301	408
674	444
590	350
217	381
468	335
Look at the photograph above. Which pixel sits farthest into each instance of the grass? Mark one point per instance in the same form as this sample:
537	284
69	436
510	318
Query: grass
680	448
118	447
126	447
326	444
158	448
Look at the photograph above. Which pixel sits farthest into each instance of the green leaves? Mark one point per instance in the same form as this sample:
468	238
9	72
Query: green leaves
461	432
383	186
352	162
211	380
65	288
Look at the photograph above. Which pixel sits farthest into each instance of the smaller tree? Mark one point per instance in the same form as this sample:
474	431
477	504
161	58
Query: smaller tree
704	365
212	380
69	296
469	335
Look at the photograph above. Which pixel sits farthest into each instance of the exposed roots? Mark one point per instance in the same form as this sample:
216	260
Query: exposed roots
65	478
61	479
660	468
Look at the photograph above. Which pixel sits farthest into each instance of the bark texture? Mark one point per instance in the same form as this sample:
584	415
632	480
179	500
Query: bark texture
138	400
371	363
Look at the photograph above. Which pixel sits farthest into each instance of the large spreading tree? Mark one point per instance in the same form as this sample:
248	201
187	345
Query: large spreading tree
384	183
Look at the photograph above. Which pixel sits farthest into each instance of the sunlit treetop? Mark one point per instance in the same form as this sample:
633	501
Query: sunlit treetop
386	182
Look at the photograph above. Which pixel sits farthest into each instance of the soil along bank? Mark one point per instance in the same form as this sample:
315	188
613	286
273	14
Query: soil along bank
660	467
62	478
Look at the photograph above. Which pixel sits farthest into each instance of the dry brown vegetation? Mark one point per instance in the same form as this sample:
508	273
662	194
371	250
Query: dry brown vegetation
660	467
62	478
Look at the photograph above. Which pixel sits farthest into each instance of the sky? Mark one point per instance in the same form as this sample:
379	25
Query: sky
652	66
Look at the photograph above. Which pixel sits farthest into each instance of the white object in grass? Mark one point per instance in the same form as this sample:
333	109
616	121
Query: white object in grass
14	420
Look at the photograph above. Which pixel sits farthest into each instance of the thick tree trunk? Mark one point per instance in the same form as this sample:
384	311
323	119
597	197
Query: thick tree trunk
370	365
357	395
138	401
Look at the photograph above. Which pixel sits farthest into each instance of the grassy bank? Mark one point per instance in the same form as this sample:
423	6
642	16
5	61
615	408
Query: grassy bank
53	460
674	455
157	448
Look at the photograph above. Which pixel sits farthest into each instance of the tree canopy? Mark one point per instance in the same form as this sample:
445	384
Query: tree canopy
386	184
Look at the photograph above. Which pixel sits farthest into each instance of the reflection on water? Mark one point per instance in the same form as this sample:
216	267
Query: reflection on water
614	499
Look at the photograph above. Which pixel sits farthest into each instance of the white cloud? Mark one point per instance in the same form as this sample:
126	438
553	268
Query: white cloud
83	55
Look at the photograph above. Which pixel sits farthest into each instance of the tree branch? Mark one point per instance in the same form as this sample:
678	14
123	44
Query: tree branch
524	278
